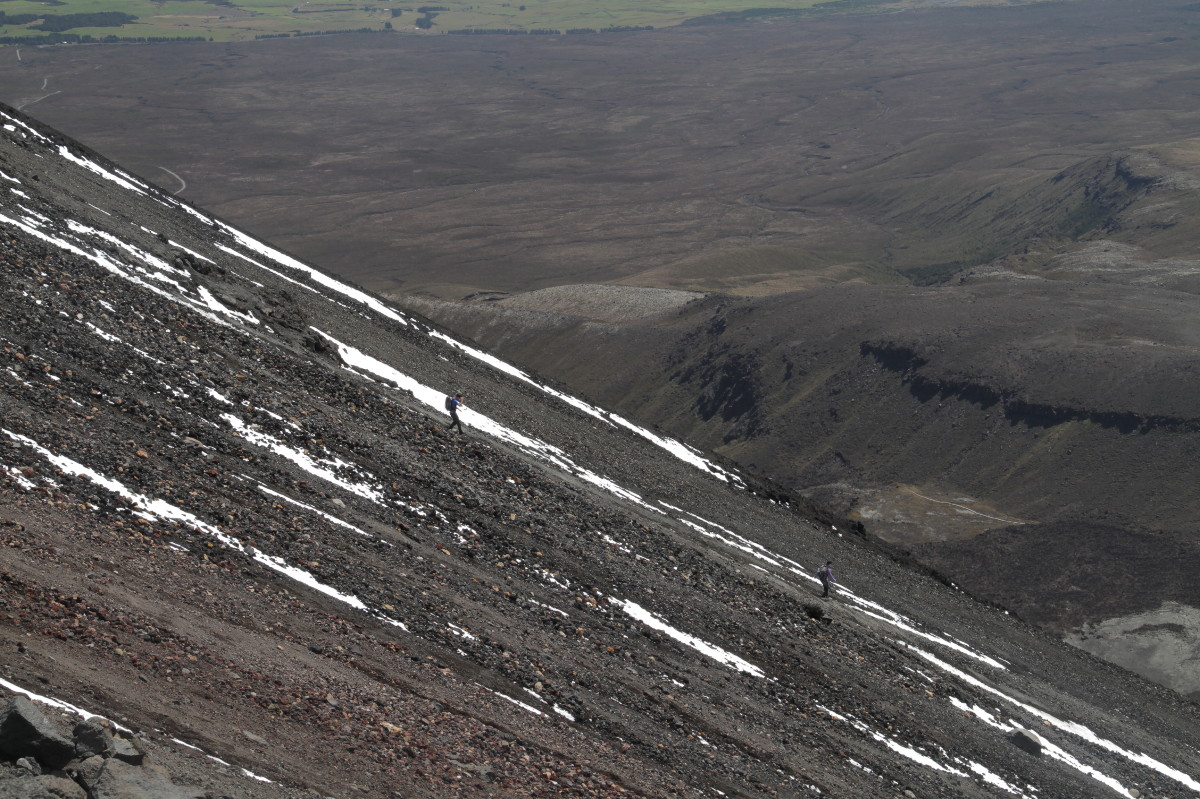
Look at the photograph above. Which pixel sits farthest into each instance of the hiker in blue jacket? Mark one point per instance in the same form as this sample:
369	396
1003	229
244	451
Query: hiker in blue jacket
452	405
825	573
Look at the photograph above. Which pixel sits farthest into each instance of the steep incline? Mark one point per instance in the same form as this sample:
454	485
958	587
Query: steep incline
233	521
1063	408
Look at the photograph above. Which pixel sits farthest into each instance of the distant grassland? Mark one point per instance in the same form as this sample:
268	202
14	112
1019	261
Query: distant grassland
233	20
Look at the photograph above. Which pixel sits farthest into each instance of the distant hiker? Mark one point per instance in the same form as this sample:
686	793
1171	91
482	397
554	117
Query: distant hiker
452	406
825	573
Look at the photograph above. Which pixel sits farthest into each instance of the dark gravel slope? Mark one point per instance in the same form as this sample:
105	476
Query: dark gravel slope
223	528
936	416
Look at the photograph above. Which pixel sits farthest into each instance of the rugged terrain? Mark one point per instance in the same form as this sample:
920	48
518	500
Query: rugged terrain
1039	161
234	524
1029	436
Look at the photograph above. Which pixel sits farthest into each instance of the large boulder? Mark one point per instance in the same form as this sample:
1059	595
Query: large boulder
1026	741
25	732
101	763
116	779
41	787
92	737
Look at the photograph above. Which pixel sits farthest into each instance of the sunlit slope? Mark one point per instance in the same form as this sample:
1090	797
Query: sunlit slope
1056	398
235	522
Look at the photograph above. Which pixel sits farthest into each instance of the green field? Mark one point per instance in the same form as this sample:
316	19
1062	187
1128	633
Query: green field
233	20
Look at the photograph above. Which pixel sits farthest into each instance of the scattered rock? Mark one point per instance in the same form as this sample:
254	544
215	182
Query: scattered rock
258	739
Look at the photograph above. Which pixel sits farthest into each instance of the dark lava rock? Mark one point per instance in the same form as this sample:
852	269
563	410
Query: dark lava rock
1026	742
24	731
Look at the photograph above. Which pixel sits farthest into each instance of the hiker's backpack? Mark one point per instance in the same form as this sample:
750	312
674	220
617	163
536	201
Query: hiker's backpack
450	403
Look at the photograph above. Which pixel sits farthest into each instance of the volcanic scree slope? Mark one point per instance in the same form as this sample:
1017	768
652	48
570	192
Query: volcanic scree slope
234	524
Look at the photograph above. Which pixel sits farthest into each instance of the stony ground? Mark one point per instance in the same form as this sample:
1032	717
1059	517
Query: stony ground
223	531
1031	438
1054	382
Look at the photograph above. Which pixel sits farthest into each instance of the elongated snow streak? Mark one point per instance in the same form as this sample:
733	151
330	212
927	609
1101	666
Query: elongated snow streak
311	509
612	541
899	748
317	277
30	130
121	180
188	209
217	395
359	360
303	460
103	334
730	538
140	254
116	340
879	612
28	485
509	369
992	778
1053	751
301	576
703	647
117	268
85	715
735	543
923	759
865	606
462	632
37	218
157	508
274	272
516	702
152	507
562	613
1074	728
679	450
218	306
56	703
192	253
215	759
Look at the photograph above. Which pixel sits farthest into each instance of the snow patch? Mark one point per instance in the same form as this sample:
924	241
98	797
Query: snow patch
703	647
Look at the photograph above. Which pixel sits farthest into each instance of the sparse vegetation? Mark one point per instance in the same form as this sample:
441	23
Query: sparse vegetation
17	19
26	21
101	19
